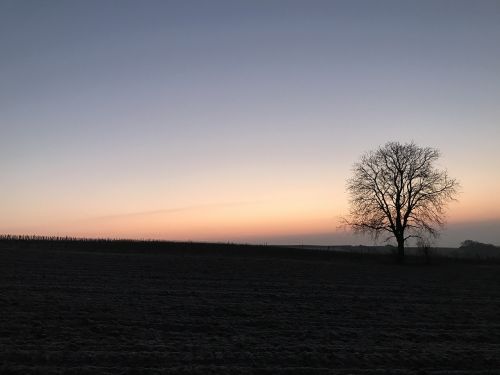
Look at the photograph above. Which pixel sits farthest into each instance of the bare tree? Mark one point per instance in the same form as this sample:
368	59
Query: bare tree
397	190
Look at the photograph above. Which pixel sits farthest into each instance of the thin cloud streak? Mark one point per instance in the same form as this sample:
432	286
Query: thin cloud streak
175	210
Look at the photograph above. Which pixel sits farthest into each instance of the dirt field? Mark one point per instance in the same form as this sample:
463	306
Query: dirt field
241	312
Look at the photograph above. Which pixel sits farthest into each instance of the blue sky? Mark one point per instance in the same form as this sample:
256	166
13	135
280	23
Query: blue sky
238	119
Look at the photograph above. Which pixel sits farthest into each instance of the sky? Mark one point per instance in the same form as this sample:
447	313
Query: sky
238	120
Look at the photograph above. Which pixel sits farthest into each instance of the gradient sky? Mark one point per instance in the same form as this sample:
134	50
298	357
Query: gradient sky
238	120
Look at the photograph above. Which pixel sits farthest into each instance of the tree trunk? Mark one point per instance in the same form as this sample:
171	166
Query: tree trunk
401	249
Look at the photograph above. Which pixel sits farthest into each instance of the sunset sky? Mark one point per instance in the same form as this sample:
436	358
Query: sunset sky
238	120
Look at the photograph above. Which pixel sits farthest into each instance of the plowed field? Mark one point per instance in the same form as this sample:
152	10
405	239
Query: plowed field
242	312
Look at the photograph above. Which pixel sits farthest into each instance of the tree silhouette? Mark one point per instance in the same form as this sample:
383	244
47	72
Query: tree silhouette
397	190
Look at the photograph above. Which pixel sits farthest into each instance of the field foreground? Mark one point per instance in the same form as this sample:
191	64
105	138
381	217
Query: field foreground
239	311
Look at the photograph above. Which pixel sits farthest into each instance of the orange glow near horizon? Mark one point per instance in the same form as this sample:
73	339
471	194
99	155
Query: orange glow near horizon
295	211
291	214
214	209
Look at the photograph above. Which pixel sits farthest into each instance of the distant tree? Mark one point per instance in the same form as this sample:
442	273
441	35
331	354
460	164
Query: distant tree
474	244
397	190
475	249
424	247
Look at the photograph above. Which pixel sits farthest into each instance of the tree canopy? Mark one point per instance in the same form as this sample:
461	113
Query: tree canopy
398	190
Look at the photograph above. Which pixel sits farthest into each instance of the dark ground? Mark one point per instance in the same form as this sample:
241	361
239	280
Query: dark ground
88	309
